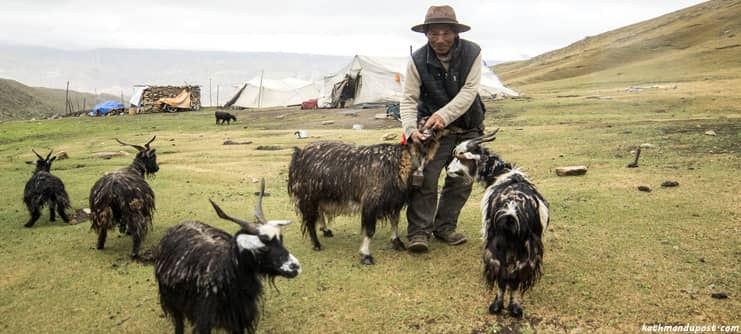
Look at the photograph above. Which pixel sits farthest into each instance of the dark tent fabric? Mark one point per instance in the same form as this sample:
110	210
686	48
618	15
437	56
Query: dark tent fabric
104	108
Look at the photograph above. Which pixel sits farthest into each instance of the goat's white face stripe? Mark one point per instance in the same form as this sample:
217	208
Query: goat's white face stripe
287	265
269	230
249	242
461	148
455	166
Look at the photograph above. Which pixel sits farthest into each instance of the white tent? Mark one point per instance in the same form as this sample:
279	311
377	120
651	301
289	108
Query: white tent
379	80
264	93
137	96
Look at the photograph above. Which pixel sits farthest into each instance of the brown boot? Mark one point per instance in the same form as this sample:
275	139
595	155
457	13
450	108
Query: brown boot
418	244
451	237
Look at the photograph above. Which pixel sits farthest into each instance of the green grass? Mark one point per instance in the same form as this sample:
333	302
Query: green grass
615	257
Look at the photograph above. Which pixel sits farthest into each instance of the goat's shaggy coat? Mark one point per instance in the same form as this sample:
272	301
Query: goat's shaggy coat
514	219
327	179
223	116
214	279
43	188
124	199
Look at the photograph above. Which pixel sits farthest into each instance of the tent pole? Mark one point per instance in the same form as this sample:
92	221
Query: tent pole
66	98
259	92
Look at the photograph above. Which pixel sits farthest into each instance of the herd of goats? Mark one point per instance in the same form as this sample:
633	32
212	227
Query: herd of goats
213	278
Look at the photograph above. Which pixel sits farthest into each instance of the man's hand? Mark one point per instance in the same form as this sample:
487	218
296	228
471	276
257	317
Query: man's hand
435	122
418	137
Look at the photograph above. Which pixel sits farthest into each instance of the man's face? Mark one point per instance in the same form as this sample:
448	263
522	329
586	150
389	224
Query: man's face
441	38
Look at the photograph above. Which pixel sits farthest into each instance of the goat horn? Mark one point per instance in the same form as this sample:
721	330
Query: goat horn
49	155
150	141
251	228
140	148
259	216
38	155
486	138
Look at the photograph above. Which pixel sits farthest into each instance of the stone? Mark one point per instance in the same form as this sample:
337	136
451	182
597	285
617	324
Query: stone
571	170
388	136
61	155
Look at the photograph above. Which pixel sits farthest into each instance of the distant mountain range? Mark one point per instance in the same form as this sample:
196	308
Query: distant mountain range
116	71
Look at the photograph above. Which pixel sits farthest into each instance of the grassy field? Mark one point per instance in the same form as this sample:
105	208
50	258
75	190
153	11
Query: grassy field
616	257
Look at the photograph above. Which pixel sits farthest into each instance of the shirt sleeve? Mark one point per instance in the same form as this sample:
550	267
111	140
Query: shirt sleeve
409	99
465	97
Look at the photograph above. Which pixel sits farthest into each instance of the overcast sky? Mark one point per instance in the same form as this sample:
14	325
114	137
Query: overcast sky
506	30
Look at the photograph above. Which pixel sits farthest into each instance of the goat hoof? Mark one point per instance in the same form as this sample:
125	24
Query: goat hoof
496	307
327	233
398	245
28	225
317	247
515	310
367	260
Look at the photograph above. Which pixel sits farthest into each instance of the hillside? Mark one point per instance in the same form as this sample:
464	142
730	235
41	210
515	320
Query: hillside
697	43
18	101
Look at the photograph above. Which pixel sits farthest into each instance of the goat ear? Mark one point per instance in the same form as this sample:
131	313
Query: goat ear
278	223
30	163
468	156
249	242
53	158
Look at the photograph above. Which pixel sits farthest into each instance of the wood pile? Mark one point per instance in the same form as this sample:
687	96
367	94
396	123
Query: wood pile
152	94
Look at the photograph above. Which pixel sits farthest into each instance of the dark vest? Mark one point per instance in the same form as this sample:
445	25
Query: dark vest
440	87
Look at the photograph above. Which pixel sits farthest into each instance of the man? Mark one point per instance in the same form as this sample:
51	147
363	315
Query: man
442	83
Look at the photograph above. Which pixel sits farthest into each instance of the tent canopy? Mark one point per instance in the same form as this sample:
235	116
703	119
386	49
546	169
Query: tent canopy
136	98
367	80
264	93
105	107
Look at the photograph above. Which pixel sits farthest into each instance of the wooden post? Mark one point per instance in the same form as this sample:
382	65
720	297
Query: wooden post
209	92
217	95
634	164
66	98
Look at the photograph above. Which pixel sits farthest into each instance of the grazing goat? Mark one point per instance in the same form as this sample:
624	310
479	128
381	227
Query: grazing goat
125	199
214	279
327	179
224	116
514	219
43	188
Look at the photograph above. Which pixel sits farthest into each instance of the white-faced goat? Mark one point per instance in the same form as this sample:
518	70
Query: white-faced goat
124	199
43	188
213	278
327	179
514	220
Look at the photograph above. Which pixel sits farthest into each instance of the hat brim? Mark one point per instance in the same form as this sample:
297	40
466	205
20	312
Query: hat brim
458	27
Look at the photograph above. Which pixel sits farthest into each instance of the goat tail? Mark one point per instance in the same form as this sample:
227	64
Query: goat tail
62	200
102	219
530	268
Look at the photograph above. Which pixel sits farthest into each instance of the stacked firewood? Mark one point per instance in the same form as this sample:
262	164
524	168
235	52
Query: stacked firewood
151	95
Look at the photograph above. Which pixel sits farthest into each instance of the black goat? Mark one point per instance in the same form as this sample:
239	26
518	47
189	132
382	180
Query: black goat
214	279
224	116
43	188
514	219
328	179
124	198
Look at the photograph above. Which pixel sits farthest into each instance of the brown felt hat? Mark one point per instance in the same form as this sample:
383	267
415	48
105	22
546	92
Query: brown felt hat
441	14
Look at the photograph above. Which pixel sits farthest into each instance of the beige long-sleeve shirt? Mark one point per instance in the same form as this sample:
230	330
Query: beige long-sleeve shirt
451	111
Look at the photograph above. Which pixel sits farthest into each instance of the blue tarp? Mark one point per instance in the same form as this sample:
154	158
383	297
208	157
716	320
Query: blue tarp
104	108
